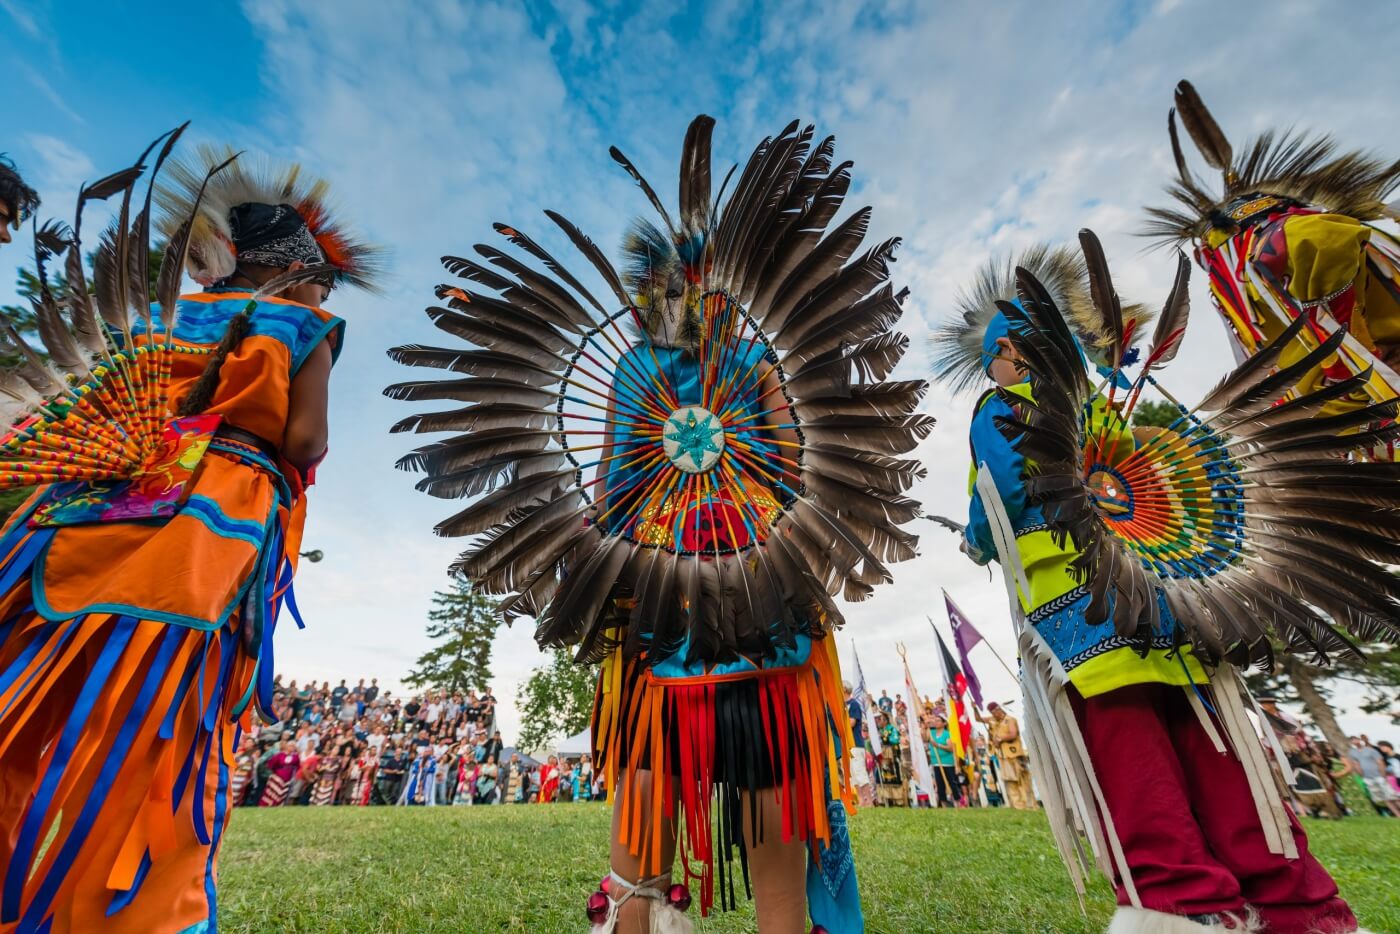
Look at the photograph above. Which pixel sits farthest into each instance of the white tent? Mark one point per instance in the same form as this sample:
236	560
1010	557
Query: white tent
578	745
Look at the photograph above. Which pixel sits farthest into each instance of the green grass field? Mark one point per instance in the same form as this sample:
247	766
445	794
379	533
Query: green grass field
530	868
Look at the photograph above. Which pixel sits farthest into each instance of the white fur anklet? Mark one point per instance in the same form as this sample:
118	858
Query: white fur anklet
1127	920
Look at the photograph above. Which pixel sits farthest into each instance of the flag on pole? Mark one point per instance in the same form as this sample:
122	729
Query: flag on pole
866	703
965	636
957	710
918	754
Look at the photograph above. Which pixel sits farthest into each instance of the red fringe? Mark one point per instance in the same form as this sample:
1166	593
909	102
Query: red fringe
667	730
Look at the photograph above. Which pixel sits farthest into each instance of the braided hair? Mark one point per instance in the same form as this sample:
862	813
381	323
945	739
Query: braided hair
265	237
201	396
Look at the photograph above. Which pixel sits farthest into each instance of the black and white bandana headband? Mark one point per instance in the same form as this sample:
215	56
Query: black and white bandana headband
273	235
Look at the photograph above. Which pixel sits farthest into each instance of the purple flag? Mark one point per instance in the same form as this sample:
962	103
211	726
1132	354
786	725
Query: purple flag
966	636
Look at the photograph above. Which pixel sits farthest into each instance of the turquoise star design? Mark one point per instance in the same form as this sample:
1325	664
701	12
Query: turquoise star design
694	438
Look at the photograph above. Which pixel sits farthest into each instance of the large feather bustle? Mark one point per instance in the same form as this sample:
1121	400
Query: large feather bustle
827	312
93	406
78	328
1317	526
1306	168
189	196
957	343
75	329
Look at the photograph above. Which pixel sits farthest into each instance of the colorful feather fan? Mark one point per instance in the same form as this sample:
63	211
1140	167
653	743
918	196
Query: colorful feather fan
710	462
1251	514
93	409
94	406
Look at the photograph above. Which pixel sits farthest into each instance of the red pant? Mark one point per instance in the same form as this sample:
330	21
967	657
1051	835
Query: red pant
1188	823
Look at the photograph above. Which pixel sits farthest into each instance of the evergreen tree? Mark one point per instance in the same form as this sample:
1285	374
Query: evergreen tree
465	622
556	701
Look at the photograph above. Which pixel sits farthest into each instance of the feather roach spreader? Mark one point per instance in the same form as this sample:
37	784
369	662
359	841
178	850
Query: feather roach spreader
689	477
1291	232
956	345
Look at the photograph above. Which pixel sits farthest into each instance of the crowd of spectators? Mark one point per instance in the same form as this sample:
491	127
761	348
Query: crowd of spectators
363	746
889	779
1317	783
1319	771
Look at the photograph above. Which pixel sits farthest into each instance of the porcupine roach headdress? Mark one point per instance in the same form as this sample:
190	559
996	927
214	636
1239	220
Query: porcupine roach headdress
958	358
1273	172
1246	512
729	522
249	194
93	407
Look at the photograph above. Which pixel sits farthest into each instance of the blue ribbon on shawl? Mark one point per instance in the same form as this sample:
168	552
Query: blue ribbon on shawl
220	820
126	897
116	756
92	688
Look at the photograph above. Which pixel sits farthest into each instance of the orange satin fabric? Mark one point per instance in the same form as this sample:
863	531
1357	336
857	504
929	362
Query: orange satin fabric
178	587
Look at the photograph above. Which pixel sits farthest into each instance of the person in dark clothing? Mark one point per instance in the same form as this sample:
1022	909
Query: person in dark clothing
494	746
392	766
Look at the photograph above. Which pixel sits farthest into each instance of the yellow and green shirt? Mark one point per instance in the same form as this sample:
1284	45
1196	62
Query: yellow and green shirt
1096	658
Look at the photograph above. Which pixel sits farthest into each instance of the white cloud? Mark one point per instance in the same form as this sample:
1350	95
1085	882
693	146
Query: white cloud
62	167
422	124
23	20
974	130
41	83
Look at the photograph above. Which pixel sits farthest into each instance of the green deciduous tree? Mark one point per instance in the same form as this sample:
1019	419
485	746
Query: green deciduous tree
27	287
556	701
465	622
1153	414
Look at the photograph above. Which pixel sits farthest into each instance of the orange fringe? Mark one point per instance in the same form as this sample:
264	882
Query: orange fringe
807	735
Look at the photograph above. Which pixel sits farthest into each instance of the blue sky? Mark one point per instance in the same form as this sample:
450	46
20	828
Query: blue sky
975	128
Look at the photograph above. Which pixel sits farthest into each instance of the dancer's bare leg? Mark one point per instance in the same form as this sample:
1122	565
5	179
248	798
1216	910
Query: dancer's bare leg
778	870
634	917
